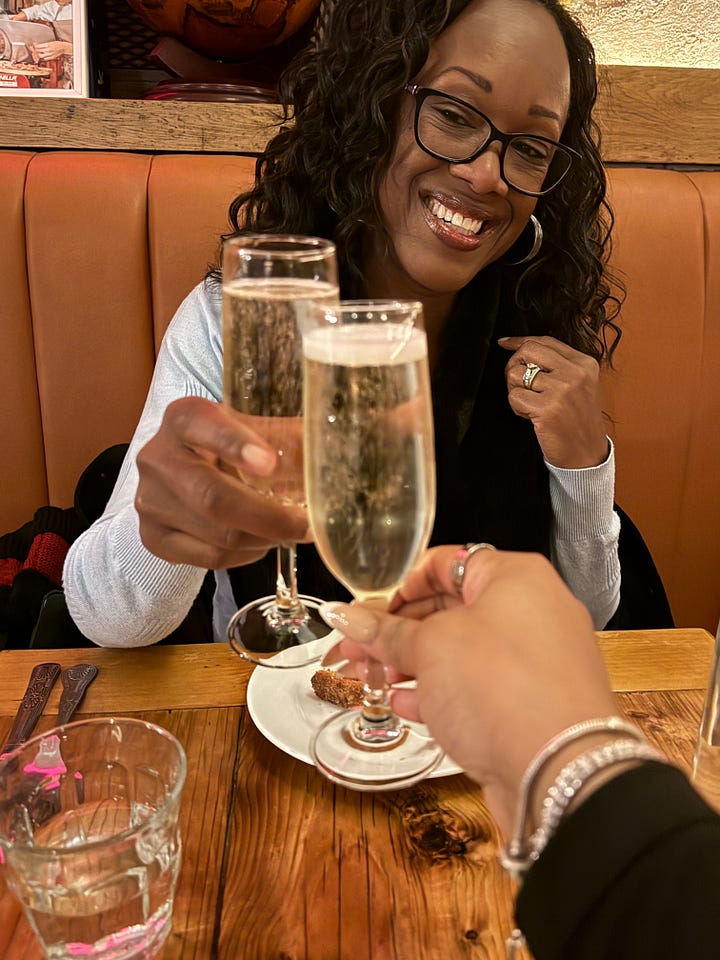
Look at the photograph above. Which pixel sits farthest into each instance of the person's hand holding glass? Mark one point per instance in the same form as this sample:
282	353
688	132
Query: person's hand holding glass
269	283
370	487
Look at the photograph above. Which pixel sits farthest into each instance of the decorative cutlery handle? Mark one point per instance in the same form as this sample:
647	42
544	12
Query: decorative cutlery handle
75	681
41	682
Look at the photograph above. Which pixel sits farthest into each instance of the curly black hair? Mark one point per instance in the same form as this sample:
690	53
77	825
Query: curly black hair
320	174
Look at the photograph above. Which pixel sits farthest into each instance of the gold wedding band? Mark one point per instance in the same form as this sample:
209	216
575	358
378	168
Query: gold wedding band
531	371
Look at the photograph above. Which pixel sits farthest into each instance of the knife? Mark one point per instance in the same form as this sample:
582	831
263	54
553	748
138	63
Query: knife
48	762
75	681
36	694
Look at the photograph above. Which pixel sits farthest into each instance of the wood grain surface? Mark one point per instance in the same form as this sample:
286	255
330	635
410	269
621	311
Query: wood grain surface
646	115
319	872
148	678
210	738
280	864
176	126
211	675
670	719
659	114
657	659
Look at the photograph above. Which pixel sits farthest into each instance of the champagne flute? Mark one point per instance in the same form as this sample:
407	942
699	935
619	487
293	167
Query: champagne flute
269	281
370	487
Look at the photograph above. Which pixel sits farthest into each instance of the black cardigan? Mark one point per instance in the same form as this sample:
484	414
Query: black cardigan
492	483
634	873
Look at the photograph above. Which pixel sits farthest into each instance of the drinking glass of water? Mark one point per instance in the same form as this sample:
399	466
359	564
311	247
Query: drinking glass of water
89	835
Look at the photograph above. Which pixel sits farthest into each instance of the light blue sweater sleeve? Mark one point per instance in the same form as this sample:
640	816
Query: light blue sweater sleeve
585	535
118	593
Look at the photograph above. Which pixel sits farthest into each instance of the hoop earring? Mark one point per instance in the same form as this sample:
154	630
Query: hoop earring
537	243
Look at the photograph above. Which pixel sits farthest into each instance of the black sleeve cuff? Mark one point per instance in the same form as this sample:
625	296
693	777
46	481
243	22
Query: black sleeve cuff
644	816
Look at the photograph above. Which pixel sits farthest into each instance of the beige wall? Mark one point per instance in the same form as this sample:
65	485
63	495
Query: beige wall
667	33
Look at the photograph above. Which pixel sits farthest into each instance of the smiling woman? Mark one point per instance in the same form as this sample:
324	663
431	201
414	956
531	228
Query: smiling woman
478	60
504	243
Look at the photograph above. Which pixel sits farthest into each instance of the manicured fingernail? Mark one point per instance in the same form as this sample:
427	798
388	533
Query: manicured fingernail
258	458
357	623
501	339
334	614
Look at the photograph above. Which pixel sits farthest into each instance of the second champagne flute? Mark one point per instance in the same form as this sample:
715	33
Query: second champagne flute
370	486
269	282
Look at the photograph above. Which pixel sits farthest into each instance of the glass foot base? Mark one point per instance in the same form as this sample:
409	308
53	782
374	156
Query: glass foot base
344	759
261	629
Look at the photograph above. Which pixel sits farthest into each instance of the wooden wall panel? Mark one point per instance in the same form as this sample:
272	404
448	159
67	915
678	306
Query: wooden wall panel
647	115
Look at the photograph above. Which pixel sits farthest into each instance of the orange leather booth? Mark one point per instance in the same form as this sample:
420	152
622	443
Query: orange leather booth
100	248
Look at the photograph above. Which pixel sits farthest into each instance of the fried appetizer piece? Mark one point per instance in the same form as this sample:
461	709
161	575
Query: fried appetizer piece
333	687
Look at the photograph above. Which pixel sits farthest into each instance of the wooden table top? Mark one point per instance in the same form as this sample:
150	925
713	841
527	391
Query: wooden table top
280	864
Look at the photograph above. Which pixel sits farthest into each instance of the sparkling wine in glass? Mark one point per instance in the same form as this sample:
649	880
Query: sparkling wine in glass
269	283
370	487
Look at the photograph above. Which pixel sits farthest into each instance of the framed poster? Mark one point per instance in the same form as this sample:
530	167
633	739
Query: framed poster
43	48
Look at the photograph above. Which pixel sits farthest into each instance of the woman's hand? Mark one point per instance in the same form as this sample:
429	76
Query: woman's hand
563	401
193	506
499	671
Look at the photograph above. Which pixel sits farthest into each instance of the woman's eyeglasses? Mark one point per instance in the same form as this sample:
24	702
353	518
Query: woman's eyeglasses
452	130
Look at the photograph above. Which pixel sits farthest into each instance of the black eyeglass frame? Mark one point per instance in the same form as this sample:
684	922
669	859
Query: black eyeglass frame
422	93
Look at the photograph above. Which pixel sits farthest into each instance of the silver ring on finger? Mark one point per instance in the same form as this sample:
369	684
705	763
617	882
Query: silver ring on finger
461	560
531	371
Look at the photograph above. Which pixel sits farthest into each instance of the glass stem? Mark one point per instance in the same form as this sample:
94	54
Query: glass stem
376	695
376	723
286	588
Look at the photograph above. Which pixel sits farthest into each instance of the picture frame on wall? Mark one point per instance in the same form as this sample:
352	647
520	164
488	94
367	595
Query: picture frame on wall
44	48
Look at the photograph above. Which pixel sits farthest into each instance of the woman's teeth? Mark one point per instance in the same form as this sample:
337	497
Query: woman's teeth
463	224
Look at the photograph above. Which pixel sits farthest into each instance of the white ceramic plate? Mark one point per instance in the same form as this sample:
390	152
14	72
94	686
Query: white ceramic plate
286	711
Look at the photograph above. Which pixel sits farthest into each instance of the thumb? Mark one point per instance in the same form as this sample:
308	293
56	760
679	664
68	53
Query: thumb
510	343
380	635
